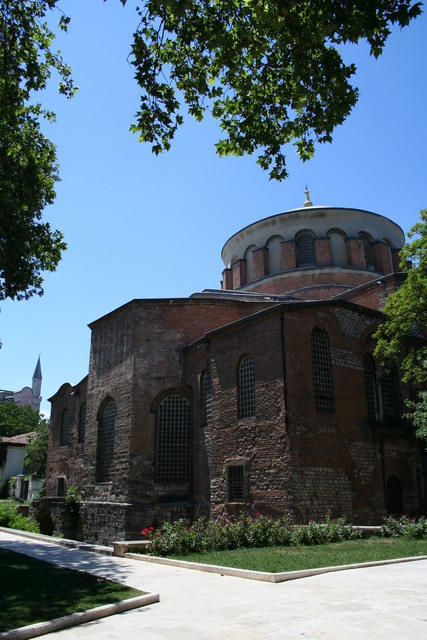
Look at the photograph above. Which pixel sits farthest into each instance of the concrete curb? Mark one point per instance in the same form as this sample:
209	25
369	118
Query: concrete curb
265	575
39	629
63	542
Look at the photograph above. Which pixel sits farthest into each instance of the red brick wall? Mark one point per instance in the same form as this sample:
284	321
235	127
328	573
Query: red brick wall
323	252
65	460
356	253
382	258
333	280
289	260
260	264
227	279
239	270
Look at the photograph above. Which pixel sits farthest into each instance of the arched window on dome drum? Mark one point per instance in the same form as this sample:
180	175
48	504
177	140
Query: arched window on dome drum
246	386
106	442
82	423
370	386
367	247
305	251
64	436
173	440
322	374
207	398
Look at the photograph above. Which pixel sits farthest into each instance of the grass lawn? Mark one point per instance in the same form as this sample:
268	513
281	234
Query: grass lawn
275	559
34	591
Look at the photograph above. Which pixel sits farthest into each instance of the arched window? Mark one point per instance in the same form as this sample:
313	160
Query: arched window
367	246
322	375
64	436
394	496
389	396
206	388
305	251
246	387
82	422
106	441
173	439
370	386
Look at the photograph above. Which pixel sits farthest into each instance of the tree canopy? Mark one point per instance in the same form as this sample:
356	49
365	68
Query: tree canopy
28	167
271	71
36	452
402	336
15	419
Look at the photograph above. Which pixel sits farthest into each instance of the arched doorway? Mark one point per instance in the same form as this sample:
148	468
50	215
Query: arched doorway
394	496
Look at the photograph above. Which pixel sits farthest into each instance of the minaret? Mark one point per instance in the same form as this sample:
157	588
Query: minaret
37	385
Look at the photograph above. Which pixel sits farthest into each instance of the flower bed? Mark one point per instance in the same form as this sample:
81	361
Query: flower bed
181	538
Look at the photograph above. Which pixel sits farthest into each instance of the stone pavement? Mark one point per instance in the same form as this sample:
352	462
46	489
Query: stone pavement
378	603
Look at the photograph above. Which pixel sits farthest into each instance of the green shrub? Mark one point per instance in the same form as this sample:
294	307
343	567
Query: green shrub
73	499
10	517
404	526
262	531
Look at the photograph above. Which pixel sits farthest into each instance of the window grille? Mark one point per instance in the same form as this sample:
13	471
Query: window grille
370	386
247	387
389	396
64	437
369	257
236	483
207	398
106	442
305	251
322	375
173	439
60	491
82	422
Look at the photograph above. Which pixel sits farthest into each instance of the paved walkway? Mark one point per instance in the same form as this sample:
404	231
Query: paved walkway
379	603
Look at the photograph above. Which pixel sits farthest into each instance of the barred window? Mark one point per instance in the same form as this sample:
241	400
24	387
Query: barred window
370	386
173	439
322	375
64	436
82	422
235	483
389	396
60	487
367	247
247	387
305	251
207	398
106	442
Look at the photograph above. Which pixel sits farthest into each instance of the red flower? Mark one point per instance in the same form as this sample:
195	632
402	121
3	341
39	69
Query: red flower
145	532
258	515
152	528
187	528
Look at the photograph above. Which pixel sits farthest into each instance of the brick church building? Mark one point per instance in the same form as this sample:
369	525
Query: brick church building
260	396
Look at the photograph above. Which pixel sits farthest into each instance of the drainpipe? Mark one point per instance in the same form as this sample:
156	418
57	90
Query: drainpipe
284	367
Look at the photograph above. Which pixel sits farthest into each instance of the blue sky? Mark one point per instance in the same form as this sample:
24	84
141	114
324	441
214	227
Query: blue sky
140	226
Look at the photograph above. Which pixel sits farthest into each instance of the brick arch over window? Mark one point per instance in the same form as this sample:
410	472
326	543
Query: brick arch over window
106	429
246	387
322	371
306	256
64	435
82	423
173	439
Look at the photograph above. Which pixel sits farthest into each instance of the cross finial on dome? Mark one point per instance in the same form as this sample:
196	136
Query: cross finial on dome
307	202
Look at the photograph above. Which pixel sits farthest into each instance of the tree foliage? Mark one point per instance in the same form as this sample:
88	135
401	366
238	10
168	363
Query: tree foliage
270	71
402	336
36	452
15	419
28	167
